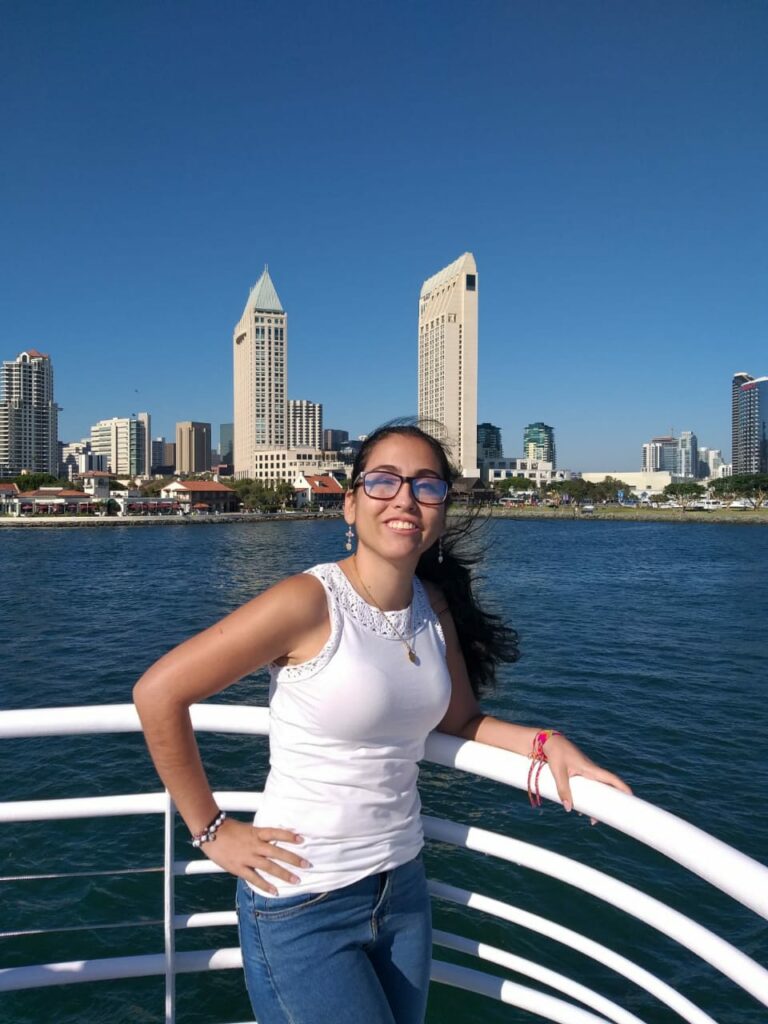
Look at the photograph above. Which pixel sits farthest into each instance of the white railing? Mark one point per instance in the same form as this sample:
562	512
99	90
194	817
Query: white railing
725	868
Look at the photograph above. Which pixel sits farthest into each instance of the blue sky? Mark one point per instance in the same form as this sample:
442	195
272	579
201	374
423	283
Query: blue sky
606	162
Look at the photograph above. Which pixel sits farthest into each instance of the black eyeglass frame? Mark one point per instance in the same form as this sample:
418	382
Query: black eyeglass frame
403	480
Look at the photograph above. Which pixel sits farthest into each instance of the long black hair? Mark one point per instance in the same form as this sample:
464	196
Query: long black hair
484	638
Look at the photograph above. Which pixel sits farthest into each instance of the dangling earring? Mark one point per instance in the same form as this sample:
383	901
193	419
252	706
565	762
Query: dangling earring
440	551
350	538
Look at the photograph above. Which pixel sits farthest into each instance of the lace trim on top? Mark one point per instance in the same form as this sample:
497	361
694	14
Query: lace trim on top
344	599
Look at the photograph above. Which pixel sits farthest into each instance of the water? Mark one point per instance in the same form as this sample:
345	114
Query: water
644	642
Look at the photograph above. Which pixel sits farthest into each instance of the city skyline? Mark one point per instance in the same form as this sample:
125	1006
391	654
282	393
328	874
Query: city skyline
606	171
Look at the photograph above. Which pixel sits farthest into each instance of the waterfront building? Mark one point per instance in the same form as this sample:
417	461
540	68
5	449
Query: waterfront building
537	471
97	484
29	416
333	440
321	490
643	482
226	443
273	464
489	442
448	358
260	355
305	423
202	496
539	443
124	445
193	447
749	423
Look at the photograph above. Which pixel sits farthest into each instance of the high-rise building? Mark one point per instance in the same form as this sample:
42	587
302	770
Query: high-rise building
226	441
539	443
334	439
260	347
193	447
688	454
448	358
661	454
125	444
305	423
710	463
489	442
29	416
749	424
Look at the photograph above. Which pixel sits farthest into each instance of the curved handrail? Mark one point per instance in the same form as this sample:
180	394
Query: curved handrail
729	870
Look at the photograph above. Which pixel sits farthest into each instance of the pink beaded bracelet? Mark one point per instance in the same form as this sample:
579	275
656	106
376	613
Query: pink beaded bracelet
538	759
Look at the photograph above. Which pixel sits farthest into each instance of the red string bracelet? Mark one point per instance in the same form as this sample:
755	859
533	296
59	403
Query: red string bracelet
538	759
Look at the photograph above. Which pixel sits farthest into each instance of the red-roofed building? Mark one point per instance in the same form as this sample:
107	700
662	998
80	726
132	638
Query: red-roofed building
53	501
202	496
8	492
319	490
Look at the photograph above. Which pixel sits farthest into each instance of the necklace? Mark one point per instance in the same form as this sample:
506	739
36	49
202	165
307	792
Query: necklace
410	649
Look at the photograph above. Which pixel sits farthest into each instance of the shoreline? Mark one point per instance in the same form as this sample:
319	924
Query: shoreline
608	513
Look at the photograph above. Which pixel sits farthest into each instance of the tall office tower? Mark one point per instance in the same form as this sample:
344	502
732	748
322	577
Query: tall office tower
125	444
158	450
737	455
448	358
688	454
305	423
662	454
710	462
29	417
539	443
226	435
193	447
260	348
750	424
489	442
334	439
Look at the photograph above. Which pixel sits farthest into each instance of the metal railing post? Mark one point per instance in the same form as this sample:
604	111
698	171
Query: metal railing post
169	911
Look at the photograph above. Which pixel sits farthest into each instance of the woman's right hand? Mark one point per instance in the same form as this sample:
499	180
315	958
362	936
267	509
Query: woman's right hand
246	851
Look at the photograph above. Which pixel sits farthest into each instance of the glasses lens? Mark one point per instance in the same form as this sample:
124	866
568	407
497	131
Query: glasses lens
429	490
381	485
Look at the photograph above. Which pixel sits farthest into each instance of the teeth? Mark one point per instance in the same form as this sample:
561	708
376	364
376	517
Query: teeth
399	524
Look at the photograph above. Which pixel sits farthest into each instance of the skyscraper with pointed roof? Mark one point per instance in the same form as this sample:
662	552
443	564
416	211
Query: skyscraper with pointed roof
260	353
448	357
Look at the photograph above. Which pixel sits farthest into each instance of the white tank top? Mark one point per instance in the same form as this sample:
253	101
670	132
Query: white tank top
347	730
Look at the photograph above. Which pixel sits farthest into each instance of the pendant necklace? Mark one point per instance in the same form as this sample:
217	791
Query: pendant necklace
410	649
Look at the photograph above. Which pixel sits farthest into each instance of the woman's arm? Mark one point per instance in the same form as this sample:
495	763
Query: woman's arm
465	718
288	622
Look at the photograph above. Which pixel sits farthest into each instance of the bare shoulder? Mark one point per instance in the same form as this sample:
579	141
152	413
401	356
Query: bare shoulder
436	597
298	598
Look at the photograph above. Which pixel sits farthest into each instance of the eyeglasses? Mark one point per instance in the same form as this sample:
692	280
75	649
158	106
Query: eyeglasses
427	490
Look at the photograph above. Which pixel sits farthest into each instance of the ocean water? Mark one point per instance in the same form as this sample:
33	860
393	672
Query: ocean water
646	643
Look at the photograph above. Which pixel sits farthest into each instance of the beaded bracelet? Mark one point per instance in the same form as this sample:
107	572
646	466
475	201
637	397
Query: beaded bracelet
208	834
538	759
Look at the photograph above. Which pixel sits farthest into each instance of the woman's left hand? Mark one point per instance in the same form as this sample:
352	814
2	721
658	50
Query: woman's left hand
566	760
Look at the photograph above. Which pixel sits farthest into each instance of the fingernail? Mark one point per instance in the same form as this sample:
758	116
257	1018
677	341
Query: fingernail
295	880
306	864
273	890
593	821
298	838
568	806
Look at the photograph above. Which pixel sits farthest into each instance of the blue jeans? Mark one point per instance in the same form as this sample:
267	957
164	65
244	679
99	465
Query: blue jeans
357	955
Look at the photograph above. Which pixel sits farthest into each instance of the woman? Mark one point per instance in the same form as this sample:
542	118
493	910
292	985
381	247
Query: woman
366	659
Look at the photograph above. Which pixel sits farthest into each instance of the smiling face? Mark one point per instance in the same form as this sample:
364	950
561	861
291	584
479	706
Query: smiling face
399	527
